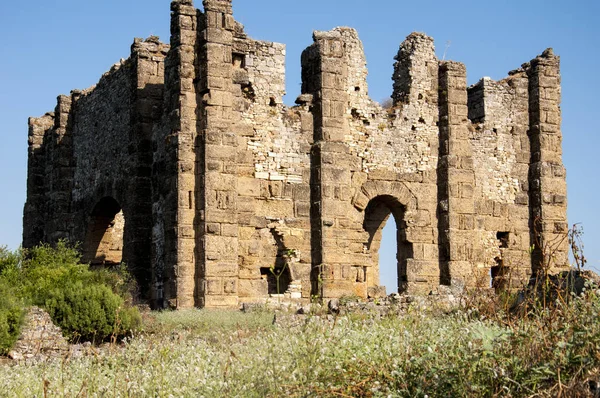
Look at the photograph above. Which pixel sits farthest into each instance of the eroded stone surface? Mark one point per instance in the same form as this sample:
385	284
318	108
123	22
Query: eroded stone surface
228	196
40	339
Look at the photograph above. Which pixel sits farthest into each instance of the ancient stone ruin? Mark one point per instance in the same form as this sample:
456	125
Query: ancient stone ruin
184	163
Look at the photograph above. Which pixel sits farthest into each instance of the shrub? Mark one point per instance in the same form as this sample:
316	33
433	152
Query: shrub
119	280
9	266
87	304
91	312
46	268
11	317
8	259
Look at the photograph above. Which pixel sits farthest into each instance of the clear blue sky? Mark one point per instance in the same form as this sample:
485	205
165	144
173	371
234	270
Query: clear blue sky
52	47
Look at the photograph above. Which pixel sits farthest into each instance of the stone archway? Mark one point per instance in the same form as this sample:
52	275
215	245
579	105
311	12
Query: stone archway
377	213
103	244
380	200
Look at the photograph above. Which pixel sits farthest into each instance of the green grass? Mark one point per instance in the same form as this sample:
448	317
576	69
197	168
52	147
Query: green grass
205	353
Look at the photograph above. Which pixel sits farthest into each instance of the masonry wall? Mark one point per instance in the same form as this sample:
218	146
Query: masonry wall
99	147
499	136
229	196
273	174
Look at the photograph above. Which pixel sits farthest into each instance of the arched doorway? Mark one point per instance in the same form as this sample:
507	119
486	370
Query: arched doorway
377	213
103	244
388	262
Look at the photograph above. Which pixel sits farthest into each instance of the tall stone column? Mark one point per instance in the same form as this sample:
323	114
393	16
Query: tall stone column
34	214
174	182
60	172
547	175
148	60
456	212
218	273
331	175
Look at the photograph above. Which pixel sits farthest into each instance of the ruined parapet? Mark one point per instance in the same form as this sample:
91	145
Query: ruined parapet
273	173
99	133
415	70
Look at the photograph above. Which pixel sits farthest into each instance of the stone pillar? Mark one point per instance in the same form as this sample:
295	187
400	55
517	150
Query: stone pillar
218	229
60	172
184	24
330	160
456	178
34	214
415	98
547	175
148	60
174	182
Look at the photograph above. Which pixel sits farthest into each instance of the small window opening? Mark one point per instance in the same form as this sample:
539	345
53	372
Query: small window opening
355	114
248	92
278	279
272	102
503	237
357	88
499	275
238	60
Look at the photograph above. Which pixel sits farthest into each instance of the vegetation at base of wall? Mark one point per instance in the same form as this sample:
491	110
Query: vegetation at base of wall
547	353
88	305
90	312
11	316
12	307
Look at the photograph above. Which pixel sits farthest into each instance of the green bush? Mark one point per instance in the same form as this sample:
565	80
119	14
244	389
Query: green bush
47	268
10	266
92	312
119	280
8	259
87	304
11	317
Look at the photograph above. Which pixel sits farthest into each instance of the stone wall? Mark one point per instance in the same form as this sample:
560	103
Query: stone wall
99	151
229	196
499	136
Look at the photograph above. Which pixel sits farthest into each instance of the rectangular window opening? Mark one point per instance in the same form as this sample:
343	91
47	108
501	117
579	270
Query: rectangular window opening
238	60
503	237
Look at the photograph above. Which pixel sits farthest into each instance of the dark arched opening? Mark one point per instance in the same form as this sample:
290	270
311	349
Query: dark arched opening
377	214
103	244
278	275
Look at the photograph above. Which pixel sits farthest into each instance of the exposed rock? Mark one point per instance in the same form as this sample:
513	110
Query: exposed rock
333	306
40	339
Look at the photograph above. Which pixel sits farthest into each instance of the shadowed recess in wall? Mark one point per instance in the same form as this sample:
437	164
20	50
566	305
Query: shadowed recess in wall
103	243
